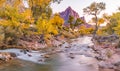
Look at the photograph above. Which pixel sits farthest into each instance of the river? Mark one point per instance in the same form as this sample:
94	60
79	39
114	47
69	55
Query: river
76	58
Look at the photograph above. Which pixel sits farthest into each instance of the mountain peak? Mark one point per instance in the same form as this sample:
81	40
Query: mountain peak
69	12
69	8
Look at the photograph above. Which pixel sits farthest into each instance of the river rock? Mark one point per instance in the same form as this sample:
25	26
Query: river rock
110	38
106	65
102	69
13	55
29	55
117	68
5	56
71	55
46	56
114	59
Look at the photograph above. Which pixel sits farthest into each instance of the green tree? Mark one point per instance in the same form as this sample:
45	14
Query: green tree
112	22
108	27
95	9
71	22
78	22
115	22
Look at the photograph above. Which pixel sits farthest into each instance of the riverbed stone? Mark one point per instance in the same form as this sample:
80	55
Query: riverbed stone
105	64
105	69
13	55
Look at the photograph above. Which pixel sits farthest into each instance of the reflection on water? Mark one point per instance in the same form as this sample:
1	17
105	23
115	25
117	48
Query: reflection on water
57	62
19	65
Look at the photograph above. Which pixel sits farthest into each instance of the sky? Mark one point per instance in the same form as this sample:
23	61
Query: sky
78	5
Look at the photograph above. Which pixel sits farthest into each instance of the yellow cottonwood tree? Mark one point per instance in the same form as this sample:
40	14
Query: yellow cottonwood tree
13	23
57	21
41	6
45	26
16	20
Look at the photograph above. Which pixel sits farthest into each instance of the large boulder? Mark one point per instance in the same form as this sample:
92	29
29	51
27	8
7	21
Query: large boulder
110	38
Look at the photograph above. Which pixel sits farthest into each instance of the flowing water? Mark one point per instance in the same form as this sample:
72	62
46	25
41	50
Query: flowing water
69	60
55	63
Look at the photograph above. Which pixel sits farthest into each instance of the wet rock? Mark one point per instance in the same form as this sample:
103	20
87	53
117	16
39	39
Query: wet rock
115	59
98	58
59	51
67	47
117	64
24	51
104	53
110	38
102	69
105	64
117	68
29	55
13	55
60	45
90	46
41	60
112	62
71	55
46	56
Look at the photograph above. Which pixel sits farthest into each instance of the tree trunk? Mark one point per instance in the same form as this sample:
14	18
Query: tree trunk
96	26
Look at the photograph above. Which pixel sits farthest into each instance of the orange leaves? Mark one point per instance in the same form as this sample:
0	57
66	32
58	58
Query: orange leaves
100	21
2	2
